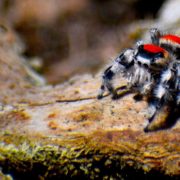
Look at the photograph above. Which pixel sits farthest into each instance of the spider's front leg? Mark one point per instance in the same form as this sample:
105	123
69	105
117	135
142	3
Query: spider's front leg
106	82
120	65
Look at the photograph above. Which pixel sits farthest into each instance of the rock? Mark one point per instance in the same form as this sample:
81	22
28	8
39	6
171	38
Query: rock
63	131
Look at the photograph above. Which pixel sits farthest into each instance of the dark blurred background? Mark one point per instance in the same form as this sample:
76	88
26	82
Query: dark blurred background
76	36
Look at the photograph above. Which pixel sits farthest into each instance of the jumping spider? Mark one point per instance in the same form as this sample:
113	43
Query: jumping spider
151	69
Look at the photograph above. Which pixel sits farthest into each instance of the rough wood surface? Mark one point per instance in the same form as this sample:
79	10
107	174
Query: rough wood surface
64	131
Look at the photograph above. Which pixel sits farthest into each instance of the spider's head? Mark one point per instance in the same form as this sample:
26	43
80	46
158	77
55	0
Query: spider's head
155	35
150	54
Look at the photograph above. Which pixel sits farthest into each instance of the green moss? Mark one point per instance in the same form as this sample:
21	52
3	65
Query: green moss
75	157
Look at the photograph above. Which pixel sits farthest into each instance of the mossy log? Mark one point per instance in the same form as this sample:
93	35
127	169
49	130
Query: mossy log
63	131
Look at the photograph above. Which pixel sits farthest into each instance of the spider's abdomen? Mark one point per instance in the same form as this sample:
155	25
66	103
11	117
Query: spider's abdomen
171	43
169	38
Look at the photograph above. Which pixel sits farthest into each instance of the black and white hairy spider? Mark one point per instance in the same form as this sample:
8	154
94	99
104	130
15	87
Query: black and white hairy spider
150	69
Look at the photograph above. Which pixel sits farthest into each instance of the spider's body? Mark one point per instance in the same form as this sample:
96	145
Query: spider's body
140	66
169	42
151	69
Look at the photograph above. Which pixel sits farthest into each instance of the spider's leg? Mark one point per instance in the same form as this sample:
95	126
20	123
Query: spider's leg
177	84
155	104
178	98
106	82
159	93
107	77
120	65
155	35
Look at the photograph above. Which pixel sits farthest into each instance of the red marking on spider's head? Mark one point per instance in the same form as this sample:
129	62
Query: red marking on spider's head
172	38
153	48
